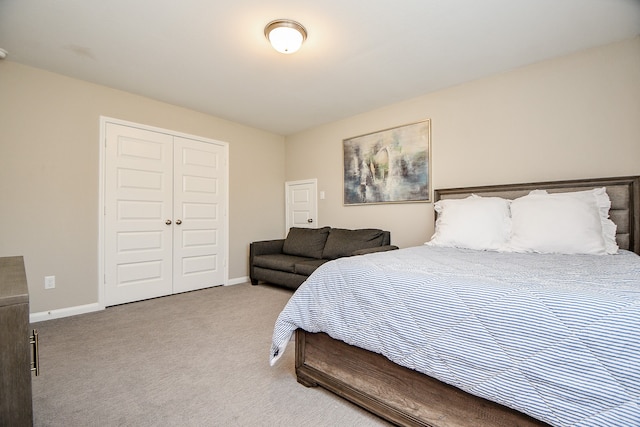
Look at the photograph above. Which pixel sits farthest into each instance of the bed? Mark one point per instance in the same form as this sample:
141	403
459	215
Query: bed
387	377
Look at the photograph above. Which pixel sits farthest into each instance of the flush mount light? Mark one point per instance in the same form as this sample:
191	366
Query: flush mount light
285	35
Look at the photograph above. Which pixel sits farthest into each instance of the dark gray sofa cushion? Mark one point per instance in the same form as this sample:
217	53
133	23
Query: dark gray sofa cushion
342	242
288	280
308	267
280	262
306	242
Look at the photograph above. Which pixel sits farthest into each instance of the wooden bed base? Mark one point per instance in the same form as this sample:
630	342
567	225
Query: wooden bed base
408	398
400	395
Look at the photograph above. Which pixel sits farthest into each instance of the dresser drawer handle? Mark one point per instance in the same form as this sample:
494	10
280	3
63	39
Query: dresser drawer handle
35	354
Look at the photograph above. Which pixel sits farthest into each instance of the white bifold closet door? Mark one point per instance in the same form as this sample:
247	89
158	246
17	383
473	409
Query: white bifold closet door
164	214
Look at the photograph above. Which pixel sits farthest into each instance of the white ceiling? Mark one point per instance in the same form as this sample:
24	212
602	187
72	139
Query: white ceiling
212	56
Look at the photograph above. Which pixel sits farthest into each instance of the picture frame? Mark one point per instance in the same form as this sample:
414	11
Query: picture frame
388	166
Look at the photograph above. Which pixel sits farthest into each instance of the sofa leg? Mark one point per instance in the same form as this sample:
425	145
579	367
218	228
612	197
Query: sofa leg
254	282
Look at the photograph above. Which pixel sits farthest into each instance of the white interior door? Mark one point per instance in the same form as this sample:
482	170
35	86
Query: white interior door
199	197
138	203
301	201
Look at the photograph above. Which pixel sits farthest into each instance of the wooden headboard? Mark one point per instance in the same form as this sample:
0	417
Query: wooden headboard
624	193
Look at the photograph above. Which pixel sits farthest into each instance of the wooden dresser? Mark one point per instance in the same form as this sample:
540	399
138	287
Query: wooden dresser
16	407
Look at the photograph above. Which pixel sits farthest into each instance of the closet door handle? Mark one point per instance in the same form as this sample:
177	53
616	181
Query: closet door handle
168	222
178	221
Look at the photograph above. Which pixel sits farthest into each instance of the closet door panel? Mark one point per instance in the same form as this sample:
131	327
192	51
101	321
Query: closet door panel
138	202
199	197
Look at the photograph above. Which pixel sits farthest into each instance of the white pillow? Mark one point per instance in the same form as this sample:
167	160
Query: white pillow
603	202
474	222
571	223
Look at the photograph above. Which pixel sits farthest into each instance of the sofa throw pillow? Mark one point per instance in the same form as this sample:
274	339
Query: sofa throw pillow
342	242
307	242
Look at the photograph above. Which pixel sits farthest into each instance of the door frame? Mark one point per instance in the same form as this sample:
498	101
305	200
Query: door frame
102	142
287	186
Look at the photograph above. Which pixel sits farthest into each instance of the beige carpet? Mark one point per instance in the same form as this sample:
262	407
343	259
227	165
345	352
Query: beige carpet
193	359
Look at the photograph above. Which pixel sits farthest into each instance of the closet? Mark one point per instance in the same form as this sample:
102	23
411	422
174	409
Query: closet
165	213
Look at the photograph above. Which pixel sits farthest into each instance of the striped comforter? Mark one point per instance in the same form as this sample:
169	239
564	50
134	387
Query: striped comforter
553	336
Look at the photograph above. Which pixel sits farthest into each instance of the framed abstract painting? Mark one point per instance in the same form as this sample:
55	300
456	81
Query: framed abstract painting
388	166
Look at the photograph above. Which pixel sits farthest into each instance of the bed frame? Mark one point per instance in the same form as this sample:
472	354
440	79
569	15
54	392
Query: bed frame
408	398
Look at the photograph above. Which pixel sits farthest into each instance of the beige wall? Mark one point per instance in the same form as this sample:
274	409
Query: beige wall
567	118
571	117
49	159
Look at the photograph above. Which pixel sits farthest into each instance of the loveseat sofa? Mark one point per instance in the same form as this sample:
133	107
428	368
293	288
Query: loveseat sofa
288	262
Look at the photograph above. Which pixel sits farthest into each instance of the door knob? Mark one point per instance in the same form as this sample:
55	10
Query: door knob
178	221
310	220
168	222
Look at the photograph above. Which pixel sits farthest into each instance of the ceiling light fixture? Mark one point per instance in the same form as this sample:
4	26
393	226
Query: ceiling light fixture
285	35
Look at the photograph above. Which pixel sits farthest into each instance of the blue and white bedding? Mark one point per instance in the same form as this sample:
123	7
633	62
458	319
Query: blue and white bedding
553	336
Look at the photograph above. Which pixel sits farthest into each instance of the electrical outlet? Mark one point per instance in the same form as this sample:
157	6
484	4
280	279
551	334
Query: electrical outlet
49	282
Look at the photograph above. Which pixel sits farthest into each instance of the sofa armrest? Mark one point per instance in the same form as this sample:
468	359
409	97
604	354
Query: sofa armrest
376	249
266	247
263	247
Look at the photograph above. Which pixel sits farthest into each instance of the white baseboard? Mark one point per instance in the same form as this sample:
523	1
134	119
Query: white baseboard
89	308
238	280
64	312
